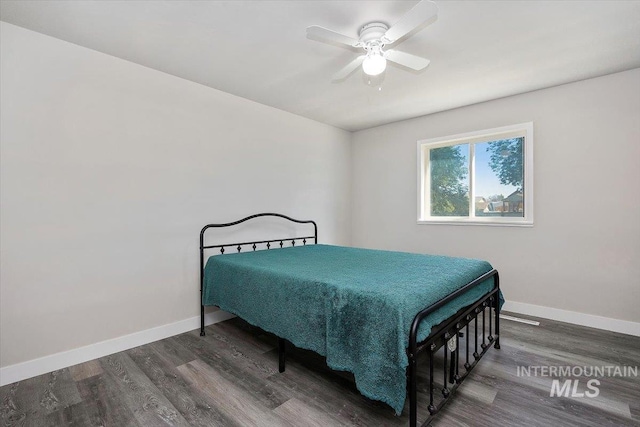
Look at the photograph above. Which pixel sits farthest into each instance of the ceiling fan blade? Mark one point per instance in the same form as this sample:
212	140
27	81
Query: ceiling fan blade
314	32
408	60
348	69
422	12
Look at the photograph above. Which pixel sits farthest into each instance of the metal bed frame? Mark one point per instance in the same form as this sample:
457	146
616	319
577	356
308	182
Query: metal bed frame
446	335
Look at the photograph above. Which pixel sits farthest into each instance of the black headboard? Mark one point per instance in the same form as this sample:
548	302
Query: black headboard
254	245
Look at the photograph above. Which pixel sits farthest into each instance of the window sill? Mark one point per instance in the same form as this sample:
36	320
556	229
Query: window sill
494	223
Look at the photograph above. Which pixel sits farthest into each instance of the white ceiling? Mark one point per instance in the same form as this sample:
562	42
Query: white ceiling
258	50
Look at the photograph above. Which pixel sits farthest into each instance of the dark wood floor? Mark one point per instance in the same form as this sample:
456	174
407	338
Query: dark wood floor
230	378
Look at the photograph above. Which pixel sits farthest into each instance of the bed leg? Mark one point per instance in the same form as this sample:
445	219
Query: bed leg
497	311
201	281
413	392
202	320
281	354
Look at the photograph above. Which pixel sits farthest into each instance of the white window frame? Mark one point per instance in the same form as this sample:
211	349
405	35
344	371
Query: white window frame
514	131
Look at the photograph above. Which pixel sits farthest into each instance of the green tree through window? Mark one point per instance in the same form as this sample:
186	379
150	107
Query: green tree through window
449	191
507	161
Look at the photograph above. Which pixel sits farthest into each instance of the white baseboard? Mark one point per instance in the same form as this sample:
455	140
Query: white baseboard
598	322
21	371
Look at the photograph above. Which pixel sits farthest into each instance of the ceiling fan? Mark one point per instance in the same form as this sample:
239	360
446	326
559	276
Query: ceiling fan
373	37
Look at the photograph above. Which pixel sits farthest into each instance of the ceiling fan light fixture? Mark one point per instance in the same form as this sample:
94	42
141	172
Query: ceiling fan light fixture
374	64
375	36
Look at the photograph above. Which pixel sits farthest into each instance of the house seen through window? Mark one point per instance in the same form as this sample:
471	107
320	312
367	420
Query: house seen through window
481	177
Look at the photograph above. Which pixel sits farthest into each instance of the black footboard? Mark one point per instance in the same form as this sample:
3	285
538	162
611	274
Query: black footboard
447	336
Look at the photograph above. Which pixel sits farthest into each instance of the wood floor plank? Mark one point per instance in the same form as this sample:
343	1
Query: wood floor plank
635	412
478	391
233	352
60	391
149	405
76	415
189	401
233	401
248	334
12	411
246	371
294	411
176	354
104	404
235	342
29	402
85	370
308	379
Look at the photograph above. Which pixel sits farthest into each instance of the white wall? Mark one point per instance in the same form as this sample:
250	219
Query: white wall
108	172
583	253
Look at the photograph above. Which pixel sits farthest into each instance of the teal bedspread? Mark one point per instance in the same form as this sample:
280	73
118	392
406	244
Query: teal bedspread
354	306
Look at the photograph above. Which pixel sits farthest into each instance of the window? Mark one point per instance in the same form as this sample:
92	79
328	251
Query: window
483	177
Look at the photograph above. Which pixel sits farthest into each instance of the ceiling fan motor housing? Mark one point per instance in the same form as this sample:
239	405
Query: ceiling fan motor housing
372	33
